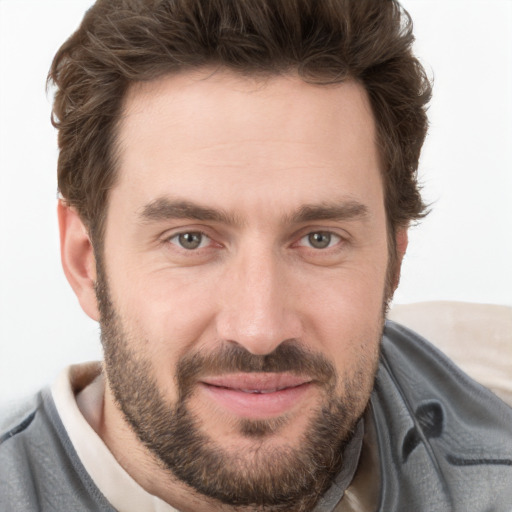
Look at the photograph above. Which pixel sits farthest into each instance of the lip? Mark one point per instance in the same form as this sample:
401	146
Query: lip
257	395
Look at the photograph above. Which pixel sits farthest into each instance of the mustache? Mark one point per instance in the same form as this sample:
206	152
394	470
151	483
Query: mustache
289	357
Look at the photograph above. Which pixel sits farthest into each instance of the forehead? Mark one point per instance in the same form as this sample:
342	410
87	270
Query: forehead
188	105
220	133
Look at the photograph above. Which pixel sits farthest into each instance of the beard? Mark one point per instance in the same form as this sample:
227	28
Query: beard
266	476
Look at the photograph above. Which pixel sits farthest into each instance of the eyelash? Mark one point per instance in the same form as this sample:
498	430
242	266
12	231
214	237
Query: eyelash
334	239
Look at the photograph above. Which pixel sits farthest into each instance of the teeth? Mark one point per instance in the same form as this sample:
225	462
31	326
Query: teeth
261	391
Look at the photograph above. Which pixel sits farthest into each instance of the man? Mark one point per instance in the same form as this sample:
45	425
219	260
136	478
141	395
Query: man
237	180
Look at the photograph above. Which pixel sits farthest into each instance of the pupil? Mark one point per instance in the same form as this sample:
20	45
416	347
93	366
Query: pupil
320	240
190	240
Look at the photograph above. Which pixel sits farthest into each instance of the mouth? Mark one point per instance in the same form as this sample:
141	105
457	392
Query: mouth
257	395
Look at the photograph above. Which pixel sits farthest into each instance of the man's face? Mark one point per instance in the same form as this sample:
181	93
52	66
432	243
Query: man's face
242	283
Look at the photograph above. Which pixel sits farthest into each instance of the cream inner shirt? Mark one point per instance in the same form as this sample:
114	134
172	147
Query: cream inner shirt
120	489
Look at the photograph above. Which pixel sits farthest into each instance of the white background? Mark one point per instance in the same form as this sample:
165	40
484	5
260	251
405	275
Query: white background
462	251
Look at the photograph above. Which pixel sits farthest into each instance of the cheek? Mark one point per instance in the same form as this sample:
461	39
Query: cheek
346	320
347	299
165	315
350	331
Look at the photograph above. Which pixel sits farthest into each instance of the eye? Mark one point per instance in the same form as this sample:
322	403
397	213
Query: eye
320	240
190	240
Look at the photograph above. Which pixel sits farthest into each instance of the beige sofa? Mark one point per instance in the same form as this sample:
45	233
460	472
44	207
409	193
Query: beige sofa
477	337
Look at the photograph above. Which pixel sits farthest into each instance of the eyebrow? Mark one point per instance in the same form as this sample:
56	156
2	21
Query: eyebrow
343	210
164	209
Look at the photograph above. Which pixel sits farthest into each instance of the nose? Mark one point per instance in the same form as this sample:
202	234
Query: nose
257	303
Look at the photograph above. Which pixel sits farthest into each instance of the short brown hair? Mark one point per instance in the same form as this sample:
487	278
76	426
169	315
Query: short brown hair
325	41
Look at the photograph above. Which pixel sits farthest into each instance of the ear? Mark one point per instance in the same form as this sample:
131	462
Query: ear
77	257
401	242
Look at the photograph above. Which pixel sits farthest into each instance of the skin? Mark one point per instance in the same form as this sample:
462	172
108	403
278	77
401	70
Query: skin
256	153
